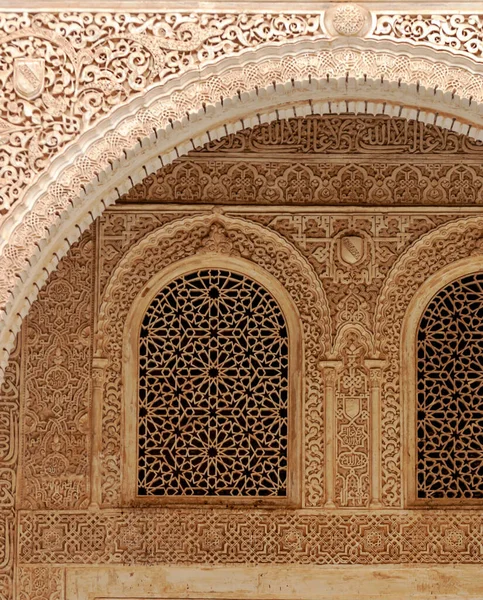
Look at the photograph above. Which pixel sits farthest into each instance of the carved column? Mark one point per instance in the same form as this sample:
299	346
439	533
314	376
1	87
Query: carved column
98	373
375	370
329	369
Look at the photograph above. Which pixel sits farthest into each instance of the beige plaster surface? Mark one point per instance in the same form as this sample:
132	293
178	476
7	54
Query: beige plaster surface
276	582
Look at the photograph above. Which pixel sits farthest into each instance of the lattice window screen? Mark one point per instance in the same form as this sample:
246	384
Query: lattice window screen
450	393
213	390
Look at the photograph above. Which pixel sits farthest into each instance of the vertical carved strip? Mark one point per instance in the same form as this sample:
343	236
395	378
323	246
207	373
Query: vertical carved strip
40	583
98	376
329	369
9	423
58	358
375	371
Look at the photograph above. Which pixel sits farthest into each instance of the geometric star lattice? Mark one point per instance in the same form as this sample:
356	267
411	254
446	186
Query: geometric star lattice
450	393
213	390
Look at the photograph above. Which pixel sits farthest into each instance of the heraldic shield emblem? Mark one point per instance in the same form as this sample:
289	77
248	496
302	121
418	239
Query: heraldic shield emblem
352	249
28	77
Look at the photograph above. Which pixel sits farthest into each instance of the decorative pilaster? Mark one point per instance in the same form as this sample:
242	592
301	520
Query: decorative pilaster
98	375
329	369
375	371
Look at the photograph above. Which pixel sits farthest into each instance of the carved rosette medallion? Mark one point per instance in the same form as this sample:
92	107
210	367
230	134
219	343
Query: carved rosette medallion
348	20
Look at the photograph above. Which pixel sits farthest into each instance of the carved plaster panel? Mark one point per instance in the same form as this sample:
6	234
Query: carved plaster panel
66	70
352	255
10	393
422	243
58	357
212	537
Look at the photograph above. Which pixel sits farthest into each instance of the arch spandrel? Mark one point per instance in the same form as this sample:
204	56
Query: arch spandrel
214	234
366	76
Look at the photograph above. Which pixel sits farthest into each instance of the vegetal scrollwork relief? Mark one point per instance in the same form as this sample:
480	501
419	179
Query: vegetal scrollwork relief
460	32
103	154
58	357
235	237
63	71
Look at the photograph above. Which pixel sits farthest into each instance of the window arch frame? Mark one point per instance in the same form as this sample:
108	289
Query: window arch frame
428	290
130	367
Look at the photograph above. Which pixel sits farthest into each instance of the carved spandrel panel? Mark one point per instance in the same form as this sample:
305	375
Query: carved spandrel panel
119	231
58	388
352	254
60	63
73	68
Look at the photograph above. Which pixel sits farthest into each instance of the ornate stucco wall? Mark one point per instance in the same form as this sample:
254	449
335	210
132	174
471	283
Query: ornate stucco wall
356	275
181	118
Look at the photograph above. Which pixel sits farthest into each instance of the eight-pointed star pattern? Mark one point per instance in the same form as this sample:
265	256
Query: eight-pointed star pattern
213	389
450	392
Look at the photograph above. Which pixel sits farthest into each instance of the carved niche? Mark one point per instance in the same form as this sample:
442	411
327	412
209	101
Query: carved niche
221	235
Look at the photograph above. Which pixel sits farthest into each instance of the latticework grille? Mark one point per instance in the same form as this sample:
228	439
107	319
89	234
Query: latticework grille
213	390
450	393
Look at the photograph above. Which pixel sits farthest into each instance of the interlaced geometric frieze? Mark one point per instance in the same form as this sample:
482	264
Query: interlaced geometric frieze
240	536
450	393
213	389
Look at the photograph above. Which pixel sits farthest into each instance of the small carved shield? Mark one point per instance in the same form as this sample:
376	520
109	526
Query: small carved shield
28	77
352	249
352	407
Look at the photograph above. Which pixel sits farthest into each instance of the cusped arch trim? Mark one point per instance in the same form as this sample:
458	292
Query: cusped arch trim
433	253
210	235
293	79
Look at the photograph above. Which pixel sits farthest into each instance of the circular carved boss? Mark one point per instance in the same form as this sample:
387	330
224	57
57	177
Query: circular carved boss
348	20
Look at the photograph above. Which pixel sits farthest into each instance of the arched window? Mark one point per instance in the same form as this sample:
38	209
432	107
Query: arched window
449	395
213	394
